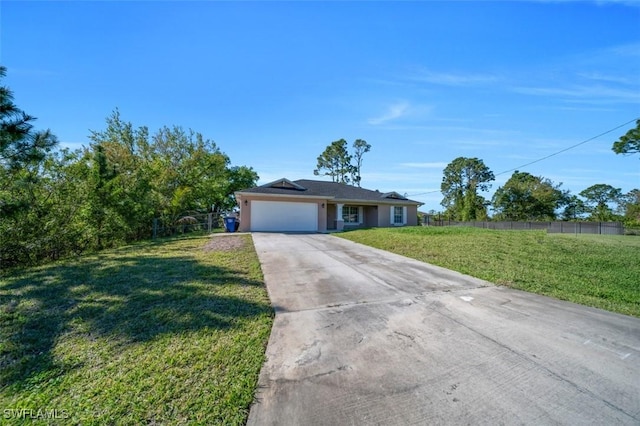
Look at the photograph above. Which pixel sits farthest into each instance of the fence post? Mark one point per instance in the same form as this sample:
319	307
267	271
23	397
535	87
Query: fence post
209	220
155	228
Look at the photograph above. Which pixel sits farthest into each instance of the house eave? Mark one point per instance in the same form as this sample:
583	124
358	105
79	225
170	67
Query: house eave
377	203
388	202
266	194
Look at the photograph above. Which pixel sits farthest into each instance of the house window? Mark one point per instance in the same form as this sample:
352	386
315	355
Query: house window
350	214
398	215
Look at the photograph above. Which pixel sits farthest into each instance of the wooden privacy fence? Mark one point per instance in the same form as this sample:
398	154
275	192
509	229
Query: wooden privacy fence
603	228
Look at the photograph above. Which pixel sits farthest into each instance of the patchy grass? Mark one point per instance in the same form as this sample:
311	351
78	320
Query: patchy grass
172	332
595	270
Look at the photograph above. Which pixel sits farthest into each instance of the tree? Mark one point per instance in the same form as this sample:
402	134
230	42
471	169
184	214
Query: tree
21	151
19	143
629	143
167	174
631	207
56	203
528	197
121	203
238	177
336	162
23	191
574	208
462	180
360	147
598	197
102	199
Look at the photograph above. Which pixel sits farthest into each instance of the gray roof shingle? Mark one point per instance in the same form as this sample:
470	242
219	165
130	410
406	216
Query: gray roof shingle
338	191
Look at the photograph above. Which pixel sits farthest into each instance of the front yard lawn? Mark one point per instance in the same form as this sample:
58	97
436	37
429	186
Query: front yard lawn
170	332
595	270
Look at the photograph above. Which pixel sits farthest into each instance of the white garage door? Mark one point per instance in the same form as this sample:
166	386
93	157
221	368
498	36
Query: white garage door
283	216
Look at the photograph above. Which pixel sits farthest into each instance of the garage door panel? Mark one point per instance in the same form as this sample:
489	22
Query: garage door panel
284	216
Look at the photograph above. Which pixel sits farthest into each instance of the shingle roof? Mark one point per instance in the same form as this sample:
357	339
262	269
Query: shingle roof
334	190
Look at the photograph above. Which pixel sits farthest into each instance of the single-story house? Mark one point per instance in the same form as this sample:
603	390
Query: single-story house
319	206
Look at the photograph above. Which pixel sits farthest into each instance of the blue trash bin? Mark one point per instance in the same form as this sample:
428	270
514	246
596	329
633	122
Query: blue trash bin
230	223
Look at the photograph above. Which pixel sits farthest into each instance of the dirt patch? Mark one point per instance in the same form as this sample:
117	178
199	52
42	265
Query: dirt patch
225	243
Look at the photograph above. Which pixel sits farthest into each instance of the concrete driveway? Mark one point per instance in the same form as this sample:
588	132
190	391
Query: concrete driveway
363	336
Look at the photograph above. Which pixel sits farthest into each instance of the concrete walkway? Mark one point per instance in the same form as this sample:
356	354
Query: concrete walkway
363	336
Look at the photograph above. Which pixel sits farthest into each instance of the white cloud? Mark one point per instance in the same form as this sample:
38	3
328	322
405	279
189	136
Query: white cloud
629	3
476	143
424	165
605	77
393	112
584	108
453	79
589	93
518	157
631	49
387	180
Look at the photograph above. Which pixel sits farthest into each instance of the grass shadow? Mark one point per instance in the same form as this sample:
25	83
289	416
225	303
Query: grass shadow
135	294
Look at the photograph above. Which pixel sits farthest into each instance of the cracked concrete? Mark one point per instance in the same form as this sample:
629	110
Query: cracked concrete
362	336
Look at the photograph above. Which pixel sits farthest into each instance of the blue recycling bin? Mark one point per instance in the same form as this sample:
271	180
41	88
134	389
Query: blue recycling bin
230	223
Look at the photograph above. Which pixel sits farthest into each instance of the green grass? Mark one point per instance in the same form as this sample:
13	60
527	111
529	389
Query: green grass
155	333
595	270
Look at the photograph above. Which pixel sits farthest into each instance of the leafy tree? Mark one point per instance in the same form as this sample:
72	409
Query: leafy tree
574	208
629	143
528	197
191	172
169	173
462	180
360	147
56	203
598	197
121	202
631	207
238	178
336	162
61	193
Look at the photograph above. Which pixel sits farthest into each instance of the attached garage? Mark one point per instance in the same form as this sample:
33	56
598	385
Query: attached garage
284	216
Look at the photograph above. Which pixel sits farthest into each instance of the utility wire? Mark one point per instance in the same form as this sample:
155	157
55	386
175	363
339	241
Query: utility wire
567	149
550	155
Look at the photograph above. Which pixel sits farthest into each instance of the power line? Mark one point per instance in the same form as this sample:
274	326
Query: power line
569	148
548	156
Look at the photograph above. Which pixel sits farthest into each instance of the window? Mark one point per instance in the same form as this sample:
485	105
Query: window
350	214
398	215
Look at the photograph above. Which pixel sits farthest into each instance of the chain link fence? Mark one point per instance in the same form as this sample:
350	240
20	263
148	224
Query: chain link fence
188	222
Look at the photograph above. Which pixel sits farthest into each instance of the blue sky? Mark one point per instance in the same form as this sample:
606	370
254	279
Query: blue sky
273	83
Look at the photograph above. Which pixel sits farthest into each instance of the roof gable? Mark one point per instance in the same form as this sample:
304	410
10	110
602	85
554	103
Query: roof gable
284	183
394	196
